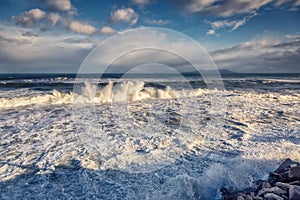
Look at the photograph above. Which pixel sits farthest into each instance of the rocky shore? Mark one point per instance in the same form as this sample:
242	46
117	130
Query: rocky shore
282	184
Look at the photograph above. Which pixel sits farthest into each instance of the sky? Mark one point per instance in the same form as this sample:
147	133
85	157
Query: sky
55	36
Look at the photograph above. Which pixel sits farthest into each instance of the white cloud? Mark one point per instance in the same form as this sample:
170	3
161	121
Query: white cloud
226	23
158	22
29	18
53	18
290	2
63	5
141	2
233	24
211	32
106	30
124	15
224	8
281	2
83	28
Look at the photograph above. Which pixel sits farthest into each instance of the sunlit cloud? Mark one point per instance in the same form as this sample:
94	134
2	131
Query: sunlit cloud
29	18
63	5
53	18
106	30
127	15
83	28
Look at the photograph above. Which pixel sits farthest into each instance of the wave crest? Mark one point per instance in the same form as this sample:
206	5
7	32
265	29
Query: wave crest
90	94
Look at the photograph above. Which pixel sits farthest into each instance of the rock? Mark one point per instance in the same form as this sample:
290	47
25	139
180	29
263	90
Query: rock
295	183
248	197
258	198
226	195
275	190
240	198
285	166
293	165
294	172
294	192
283	185
266	185
282	177
271	196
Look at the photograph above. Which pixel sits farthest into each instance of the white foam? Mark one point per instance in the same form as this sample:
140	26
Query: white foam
256	139
125	91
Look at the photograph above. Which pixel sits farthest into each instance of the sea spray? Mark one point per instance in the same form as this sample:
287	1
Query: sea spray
126	91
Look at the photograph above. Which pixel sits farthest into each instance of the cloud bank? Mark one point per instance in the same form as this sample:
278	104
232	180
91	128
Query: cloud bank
23	51
265	55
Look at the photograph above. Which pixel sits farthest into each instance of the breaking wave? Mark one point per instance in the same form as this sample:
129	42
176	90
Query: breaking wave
92	94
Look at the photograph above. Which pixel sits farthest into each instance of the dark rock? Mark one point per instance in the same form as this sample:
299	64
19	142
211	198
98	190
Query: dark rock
248	197
294	192
266	185
294	172
285	166
282	177
282	184
295	182
259	184
234	195
273	178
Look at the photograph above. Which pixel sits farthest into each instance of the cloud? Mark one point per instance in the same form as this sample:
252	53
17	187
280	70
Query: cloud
223	8
30	34
293	4
124	15
29	18
211	32
108	31
233	24
53	18
263	55
158	22
141	2
83	28
290	2
21	51
63	5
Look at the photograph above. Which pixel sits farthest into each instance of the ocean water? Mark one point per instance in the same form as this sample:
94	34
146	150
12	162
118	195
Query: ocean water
63	137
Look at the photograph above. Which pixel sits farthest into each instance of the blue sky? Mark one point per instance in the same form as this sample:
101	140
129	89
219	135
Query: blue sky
240	35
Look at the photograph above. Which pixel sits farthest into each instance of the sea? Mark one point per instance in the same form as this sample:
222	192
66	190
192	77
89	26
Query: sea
64	136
